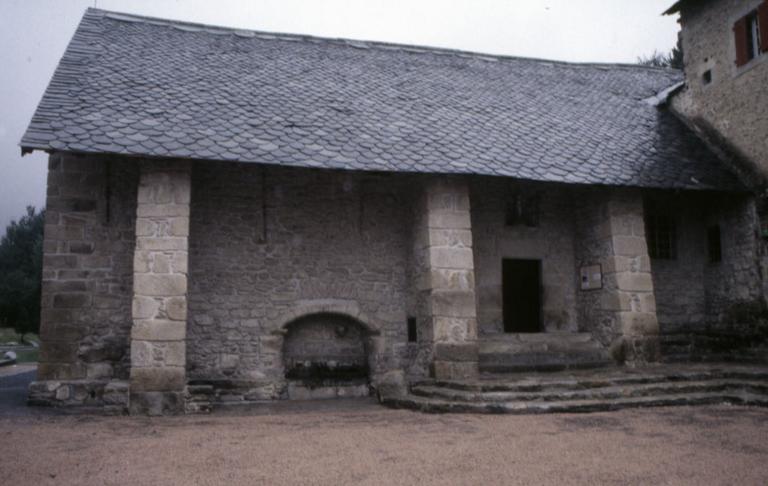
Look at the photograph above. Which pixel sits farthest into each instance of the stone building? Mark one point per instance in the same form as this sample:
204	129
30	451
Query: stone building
237	216
725	46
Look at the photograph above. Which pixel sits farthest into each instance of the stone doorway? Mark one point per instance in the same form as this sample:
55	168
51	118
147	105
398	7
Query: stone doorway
521	294
326	356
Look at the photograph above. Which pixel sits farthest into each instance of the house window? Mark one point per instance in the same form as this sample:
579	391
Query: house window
714	245
522	210
751	34
660	231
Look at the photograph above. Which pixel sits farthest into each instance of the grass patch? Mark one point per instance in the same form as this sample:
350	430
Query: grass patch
9	335
27	356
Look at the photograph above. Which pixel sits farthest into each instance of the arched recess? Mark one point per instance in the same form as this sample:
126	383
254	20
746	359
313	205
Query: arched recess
349	309
326	348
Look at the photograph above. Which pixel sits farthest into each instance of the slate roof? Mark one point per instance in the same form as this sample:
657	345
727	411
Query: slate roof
148	87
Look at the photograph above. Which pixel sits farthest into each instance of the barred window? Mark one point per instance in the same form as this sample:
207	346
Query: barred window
660	230
522	210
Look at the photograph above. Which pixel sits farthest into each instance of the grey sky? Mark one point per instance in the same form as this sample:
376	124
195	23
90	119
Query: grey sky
34	34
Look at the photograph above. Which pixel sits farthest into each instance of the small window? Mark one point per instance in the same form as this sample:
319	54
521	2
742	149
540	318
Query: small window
522	210
714	245
660	231
412	334
751	35
706	78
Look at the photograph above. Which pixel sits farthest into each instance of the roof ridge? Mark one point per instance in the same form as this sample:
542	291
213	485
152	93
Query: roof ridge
364	44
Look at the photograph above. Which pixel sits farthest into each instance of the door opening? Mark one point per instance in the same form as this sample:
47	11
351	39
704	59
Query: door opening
521	294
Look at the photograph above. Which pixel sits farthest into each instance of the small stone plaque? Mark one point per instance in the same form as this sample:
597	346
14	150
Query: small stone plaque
591	277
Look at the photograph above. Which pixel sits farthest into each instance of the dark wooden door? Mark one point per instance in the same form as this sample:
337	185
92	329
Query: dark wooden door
521	291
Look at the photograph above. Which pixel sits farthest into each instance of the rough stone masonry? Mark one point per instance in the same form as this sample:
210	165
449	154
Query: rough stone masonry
173	283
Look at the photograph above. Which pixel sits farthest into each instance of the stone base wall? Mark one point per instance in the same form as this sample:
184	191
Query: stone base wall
109	397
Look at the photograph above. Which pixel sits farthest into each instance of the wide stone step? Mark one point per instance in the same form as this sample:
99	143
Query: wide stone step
537	337
508	353
431	405
597	393
542	361
542	381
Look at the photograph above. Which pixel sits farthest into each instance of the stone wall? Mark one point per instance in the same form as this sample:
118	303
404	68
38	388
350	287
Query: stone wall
268	245
689	288
87	275
734	106
551	241
680	282
271	246
610	233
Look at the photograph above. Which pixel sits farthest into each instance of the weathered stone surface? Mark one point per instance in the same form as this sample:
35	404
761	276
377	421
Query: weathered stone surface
158	378
456	351
445	277
159	330
155	403
158	347
160	285
87	272
593	391
154	353
623	310
110	396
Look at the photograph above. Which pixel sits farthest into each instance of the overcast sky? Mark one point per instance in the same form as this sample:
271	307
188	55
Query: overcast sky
34	34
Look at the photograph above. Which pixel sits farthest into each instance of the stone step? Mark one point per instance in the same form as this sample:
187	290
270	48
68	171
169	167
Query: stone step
542	361
595	393
507	353
431	405
606	378
537	337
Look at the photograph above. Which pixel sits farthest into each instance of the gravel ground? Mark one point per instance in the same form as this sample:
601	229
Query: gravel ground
359	442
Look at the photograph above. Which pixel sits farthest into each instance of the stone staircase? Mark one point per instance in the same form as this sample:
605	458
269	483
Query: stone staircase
590	390
550	351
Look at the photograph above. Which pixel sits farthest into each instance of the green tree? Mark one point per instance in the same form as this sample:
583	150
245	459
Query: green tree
21	264
673	59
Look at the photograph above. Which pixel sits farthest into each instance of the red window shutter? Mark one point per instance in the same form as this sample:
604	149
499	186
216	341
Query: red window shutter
762	22
740	33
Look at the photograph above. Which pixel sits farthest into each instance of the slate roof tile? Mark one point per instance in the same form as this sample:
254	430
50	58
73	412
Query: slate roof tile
161	88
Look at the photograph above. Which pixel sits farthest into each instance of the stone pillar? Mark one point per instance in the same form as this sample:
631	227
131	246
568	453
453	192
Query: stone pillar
626	301
158	347
445	278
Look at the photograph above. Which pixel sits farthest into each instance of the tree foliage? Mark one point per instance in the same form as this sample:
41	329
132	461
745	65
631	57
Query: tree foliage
672	59
21	263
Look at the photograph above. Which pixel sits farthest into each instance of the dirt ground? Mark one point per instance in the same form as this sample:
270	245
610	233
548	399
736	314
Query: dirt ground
359	442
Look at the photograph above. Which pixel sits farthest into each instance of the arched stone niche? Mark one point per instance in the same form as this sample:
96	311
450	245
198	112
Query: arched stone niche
326	348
